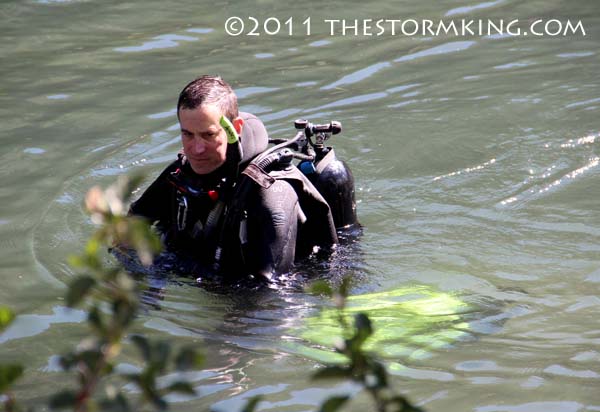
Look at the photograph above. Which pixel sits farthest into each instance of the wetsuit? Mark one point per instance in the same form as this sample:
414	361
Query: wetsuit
256	227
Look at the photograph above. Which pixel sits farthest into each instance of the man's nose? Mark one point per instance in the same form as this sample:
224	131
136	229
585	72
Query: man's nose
199	146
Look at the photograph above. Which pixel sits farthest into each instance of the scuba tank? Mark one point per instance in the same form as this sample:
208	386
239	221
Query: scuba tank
335	182
330	176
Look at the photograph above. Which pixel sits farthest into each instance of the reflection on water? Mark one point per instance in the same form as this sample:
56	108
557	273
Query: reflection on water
158	42
408	323
25	326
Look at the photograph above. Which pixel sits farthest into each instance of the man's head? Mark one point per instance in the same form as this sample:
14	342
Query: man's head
199	108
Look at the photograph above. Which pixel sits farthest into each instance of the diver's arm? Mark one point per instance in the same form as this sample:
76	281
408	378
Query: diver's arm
155	203
272	230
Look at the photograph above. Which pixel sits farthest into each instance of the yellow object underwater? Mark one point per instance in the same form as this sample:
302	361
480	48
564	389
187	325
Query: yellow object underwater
408	323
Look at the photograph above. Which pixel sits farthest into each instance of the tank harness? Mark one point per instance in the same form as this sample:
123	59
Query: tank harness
225	225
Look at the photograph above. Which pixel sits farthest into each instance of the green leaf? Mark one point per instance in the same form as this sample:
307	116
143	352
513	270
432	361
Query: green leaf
334	403
146	381
78	289
124	311
252	403
62	400
85	261
8	375
76	261
182	387
6	317
140	237
118	404
160	354
159	402
92	246
188	358
67	361
108	369
363	324
91	358
320	287
332	372
380	374
143	345
364	329
96	320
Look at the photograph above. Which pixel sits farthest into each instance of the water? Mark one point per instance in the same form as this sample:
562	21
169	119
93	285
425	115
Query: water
476	161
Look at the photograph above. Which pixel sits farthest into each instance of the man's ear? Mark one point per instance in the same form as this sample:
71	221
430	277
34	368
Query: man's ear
238	122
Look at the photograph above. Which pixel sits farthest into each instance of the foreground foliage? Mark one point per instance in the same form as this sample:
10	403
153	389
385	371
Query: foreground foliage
111	298
360	366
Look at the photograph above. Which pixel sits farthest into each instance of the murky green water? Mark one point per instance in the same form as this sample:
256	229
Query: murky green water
476	160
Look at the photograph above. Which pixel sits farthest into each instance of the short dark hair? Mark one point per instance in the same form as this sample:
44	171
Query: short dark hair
209	90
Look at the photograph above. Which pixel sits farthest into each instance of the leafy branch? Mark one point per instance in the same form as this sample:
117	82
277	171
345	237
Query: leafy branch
360	366
111	297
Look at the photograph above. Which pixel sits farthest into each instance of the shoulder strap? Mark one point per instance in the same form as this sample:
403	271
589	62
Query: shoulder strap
324	162
319	223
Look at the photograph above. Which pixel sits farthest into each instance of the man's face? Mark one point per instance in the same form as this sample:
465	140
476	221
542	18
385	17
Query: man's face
204	140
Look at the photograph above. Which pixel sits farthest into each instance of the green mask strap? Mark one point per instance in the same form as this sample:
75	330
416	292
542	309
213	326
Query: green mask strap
232	136
234	145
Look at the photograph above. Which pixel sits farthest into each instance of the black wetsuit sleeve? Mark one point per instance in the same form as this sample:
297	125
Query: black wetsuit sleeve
155	203
272	229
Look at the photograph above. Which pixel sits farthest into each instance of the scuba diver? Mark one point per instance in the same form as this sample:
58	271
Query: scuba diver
238	207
